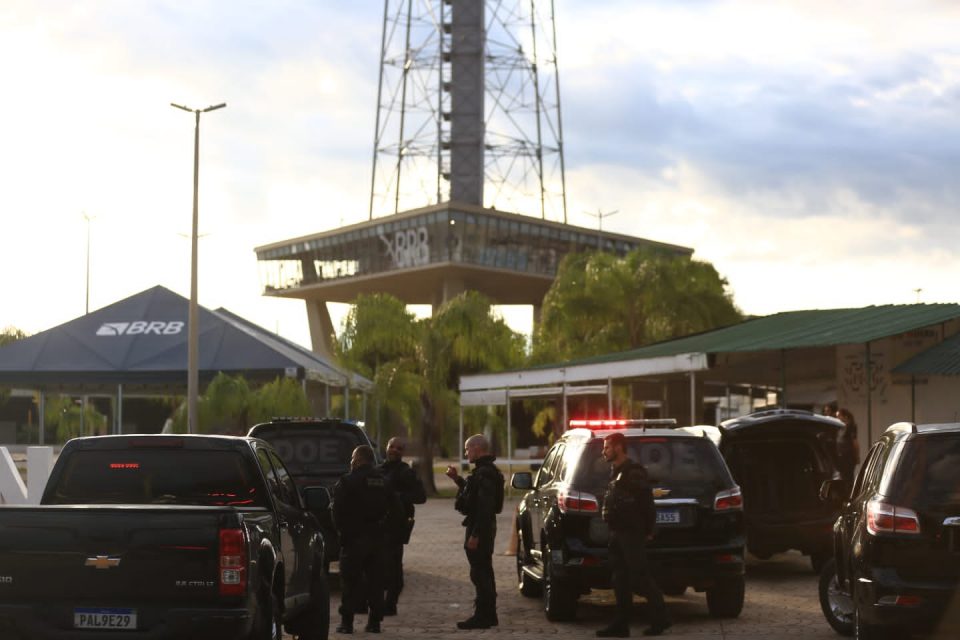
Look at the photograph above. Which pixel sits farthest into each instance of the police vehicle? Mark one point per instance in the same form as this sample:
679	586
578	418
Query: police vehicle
699	535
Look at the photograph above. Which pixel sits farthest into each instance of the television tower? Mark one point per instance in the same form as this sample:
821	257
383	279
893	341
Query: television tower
468	108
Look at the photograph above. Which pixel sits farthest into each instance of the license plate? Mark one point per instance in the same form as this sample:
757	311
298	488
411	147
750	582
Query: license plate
334	566
107	619
668	516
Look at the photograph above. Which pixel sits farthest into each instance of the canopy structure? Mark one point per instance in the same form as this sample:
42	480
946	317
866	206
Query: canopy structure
139	345
142	341
940	360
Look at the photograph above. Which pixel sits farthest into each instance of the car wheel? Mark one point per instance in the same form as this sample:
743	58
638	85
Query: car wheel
725	599
527	585
835	602
673	590
266	622
314	622
559	601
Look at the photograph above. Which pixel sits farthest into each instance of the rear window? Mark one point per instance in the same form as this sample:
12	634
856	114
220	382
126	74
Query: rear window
928	472
314	449
689	466
144	476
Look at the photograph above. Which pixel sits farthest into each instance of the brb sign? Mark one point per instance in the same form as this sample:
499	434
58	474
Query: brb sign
410	248
140	328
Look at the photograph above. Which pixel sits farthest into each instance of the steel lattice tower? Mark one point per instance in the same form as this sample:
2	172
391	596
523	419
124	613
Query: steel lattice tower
468	108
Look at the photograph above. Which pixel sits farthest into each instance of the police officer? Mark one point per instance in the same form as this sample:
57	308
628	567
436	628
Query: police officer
362	503
480	499
410	491
630	513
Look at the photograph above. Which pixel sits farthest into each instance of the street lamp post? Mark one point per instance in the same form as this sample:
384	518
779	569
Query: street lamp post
88	218
599	215
193	335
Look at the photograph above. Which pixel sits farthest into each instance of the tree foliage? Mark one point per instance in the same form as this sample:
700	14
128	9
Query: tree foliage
601	303
417	364
69	418
11	334
229	406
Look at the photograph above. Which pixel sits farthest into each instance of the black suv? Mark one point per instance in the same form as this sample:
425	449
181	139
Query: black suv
897	541
317	452
698	540
782	458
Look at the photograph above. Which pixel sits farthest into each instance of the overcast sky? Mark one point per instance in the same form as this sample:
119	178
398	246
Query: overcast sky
809	149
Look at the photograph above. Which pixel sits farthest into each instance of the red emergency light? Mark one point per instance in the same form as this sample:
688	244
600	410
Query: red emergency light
621	423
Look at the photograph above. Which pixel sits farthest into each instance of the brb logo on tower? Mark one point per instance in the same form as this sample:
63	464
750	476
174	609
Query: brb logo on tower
140	328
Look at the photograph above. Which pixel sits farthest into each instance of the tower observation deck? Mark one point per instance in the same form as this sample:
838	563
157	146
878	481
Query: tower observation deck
468	188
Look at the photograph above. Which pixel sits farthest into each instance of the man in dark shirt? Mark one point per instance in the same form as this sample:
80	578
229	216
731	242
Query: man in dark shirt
630	514
362	500
480	498
410	491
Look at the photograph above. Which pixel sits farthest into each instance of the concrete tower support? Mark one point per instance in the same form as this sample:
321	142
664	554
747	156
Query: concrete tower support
466	95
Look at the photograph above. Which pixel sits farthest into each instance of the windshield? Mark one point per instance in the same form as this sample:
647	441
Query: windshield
928	472
315	449
145	476
690	467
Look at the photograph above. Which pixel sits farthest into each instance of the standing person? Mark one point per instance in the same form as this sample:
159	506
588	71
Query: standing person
629	512
480	499
362	502
848	448
410	491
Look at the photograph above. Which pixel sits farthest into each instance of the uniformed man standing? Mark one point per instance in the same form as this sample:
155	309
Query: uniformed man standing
630	514
362	501
410	491
480	499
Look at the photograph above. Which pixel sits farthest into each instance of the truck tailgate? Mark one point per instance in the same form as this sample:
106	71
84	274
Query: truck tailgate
115	554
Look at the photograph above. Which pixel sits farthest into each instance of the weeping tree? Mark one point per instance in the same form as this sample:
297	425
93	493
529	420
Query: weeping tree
416	364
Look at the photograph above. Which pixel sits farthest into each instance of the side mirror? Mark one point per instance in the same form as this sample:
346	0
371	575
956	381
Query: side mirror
831	491
317	498
522	480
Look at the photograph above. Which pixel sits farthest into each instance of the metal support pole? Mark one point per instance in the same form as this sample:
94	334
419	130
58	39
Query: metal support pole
609	398
913	399
119	409
41	420
346	402
693	398
326	390
506	393
460	444
564	412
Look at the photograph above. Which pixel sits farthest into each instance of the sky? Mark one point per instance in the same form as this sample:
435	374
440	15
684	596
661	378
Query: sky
809	149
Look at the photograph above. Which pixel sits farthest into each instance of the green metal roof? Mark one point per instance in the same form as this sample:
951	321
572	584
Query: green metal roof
940	360
797	329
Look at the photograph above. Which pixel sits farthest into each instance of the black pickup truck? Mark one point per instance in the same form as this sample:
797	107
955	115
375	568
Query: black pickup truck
165	536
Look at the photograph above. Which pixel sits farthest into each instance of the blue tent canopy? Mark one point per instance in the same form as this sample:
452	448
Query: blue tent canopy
142	341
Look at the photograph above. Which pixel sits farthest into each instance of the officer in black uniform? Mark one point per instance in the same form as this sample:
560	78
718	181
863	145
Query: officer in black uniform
630	514
480	499
362	503
410	491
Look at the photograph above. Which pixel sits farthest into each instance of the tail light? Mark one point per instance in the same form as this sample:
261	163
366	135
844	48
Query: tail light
729	500
570	501
887	518
233	562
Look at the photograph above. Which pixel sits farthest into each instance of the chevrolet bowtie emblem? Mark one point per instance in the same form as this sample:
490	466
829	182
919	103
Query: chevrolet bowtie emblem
102	562
661	493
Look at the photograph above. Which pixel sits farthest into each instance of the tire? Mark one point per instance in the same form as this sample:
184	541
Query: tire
725	599
266	622
559	601
836	603
673	590
528	587
314	622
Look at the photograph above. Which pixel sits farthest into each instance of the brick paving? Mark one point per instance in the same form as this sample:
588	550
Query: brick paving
781	595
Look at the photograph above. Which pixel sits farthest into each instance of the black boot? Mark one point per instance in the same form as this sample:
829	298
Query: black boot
657	628
345	626
474	622
615	630
373	626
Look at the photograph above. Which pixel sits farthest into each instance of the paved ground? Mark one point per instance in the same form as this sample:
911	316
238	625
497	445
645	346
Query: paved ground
781	595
